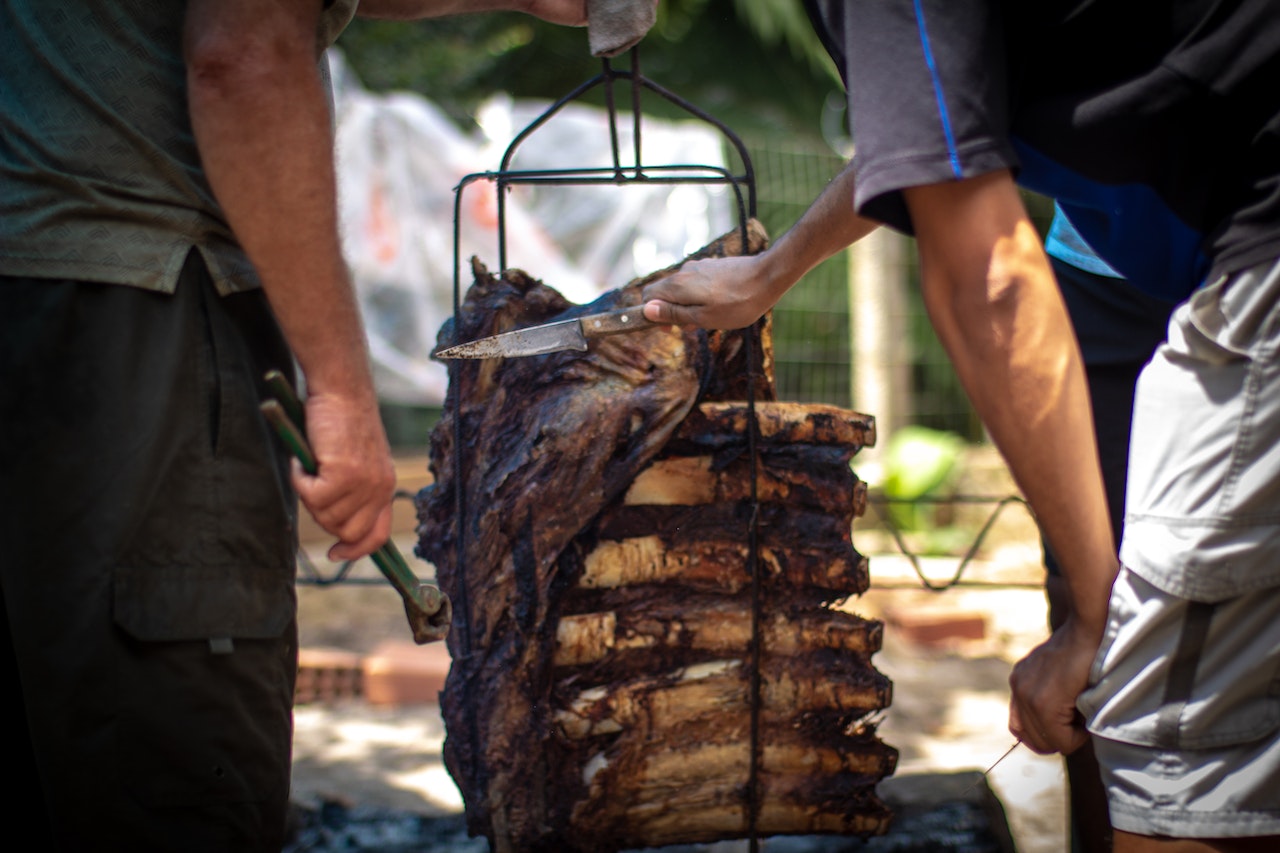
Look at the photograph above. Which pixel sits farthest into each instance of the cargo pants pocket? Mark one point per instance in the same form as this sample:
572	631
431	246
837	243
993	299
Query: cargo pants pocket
202	594
205	685
1178	674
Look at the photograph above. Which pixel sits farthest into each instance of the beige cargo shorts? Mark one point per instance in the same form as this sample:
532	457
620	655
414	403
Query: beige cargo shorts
1184	702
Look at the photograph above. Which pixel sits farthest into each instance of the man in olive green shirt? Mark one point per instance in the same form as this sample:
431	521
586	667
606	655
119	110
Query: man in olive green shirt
168	231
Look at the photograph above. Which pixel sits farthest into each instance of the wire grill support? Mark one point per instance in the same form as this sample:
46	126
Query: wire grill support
744	191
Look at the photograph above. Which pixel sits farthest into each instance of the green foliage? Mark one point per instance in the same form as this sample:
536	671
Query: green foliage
919	462
755	65
784	22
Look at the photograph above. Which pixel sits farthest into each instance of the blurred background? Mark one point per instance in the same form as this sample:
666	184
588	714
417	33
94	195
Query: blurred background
421	105
420	108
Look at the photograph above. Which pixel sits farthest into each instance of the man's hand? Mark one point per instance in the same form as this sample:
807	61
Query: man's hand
732	293
350	495
724	293
1045	684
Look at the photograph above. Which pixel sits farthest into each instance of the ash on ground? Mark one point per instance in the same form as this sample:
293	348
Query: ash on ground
967	819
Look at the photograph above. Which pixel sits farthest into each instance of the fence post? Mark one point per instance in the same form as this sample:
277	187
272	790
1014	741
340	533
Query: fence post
880	337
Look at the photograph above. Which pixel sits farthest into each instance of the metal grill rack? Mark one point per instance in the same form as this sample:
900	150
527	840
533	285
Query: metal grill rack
618	173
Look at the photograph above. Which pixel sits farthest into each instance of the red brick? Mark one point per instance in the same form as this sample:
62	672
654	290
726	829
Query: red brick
937	628
400	673
327	675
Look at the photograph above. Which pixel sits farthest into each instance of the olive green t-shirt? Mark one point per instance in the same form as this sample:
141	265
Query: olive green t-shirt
100	178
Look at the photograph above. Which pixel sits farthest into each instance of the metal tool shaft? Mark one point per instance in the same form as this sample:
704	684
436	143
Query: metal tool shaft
427	608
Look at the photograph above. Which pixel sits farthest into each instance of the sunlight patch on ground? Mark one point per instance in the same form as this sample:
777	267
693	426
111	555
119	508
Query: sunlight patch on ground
1032	789
972	734
433	783
353	740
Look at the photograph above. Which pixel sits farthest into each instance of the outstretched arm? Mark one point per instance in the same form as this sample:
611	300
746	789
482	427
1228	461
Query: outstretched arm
261	119
731	293
570	12
993	301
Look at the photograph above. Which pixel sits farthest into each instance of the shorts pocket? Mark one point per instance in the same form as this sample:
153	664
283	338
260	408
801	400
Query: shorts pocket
205	684
1234	697
1182	674
202	602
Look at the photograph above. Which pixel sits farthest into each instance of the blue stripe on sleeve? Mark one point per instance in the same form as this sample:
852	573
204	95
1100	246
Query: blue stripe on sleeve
943	115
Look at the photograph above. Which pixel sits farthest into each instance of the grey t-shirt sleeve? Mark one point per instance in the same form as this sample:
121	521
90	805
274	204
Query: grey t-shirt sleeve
928	97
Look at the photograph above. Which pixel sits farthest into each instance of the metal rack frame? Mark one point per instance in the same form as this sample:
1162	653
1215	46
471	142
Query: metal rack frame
620	174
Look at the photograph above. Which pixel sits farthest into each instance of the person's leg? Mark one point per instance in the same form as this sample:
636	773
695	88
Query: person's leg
1185	717
1089	824
150	562
1118	328
1182	707
1127	842
26	796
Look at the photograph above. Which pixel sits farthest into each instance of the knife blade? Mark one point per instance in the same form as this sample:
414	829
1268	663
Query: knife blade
551	337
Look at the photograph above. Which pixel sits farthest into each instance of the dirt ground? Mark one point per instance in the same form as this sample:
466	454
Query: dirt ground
948	654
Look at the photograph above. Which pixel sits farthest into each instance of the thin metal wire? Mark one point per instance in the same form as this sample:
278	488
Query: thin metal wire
985	775
618	174
878	501
635	110
757	596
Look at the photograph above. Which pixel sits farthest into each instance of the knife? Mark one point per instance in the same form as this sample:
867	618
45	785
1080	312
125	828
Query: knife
552	337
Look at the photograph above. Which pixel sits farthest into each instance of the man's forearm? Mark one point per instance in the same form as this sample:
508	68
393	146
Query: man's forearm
995	305
828	226
730	293
261	118
570	12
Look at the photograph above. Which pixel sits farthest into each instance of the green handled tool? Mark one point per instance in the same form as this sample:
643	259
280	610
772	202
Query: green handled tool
427	608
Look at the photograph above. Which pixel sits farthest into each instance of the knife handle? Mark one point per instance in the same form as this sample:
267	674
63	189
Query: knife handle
613	322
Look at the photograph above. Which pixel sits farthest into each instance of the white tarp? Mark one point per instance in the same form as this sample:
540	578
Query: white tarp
400	159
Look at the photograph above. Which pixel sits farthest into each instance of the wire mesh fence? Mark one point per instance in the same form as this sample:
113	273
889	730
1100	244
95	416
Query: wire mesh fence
811	326
814	354
818	357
